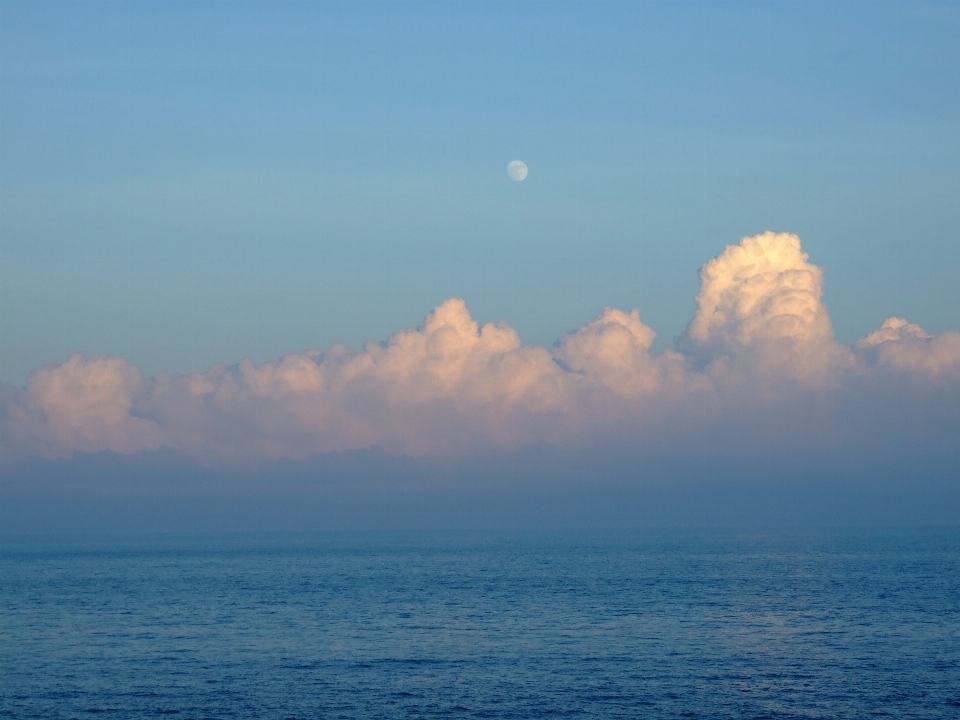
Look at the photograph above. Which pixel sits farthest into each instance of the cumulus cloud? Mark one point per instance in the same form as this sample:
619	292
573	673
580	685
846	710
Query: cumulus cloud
760	351
760	312
765	288
906	347
80	405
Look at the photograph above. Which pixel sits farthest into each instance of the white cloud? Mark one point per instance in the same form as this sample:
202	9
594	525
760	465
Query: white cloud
760	316
906	347
81	405
762	289
757	356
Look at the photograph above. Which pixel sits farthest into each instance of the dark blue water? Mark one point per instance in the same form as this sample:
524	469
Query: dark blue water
837	624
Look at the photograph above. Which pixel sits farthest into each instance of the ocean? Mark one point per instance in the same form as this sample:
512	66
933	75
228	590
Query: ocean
852	623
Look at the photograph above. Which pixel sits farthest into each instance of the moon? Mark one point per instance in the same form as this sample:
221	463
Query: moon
517	170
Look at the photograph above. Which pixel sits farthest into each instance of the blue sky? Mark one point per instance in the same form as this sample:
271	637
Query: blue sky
188	183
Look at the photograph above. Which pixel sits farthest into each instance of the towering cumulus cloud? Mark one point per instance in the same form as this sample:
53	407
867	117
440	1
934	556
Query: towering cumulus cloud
759	358
760	304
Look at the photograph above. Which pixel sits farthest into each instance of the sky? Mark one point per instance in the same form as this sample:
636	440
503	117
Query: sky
256	233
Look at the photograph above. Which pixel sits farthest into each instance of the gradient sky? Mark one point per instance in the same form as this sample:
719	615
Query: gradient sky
208	210
184	183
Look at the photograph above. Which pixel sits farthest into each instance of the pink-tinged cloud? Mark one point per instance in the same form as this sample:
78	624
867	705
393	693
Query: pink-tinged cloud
761	319
907	348
763	289
758	359
80	405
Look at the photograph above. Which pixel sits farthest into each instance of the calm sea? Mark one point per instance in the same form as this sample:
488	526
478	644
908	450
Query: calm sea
832	624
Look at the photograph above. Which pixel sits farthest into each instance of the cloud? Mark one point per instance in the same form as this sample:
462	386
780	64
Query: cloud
80	405
762	289
905	347
761	317
758	360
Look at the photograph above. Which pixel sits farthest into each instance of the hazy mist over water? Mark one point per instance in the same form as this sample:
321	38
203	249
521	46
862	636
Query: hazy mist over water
838	623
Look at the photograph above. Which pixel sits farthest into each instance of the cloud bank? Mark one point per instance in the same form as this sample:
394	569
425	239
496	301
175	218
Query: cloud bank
757	369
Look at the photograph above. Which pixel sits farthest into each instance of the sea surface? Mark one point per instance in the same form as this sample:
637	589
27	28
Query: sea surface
825	624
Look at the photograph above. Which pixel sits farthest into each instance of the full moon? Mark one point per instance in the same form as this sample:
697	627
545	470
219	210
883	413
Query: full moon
517	170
